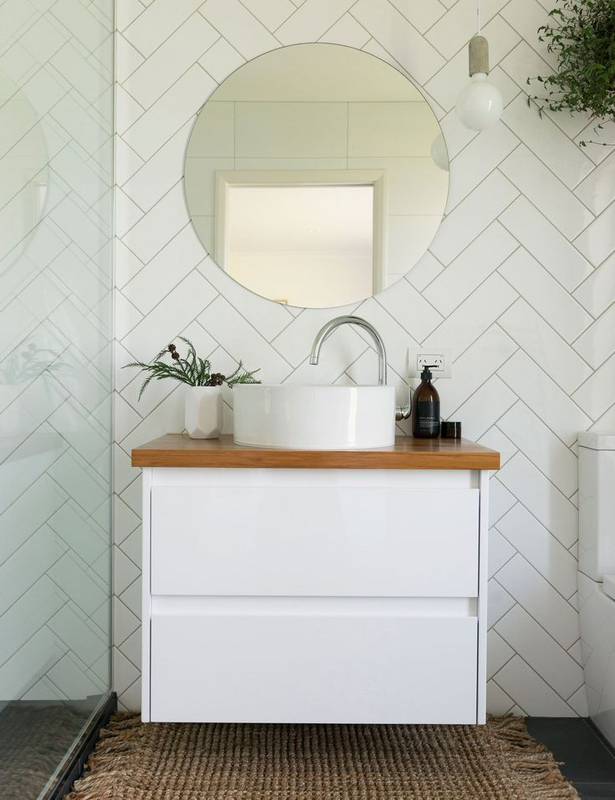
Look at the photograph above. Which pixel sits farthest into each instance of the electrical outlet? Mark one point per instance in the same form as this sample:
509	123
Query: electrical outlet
441	359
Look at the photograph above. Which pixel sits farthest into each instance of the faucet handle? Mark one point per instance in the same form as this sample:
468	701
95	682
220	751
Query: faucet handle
404	412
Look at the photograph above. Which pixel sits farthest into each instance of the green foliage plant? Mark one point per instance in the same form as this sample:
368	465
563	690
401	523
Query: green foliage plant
581	33
192	370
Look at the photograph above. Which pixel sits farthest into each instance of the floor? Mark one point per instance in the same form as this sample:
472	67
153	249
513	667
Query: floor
34	739
588	762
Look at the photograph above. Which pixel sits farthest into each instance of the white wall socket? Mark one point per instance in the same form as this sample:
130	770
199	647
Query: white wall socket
440	357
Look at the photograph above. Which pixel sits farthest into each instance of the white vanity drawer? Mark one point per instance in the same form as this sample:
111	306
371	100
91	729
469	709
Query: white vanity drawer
313	668
318	540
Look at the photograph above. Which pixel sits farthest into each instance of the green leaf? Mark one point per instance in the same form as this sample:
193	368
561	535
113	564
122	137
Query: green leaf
240	376
191	370
582	37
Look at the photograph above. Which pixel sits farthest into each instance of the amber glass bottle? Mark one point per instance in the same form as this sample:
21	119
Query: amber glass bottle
426	408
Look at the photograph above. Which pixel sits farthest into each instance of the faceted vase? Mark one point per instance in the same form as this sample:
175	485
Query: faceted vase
204	412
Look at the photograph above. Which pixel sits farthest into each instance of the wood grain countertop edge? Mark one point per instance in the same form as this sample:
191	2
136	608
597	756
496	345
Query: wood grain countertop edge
179	451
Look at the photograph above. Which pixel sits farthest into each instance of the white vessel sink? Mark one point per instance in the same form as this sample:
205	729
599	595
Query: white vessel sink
314	417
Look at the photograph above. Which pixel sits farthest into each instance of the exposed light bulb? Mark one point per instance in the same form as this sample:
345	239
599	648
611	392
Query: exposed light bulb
479	104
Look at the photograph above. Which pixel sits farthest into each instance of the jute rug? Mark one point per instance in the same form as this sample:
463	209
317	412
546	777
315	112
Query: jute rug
34	738
499	761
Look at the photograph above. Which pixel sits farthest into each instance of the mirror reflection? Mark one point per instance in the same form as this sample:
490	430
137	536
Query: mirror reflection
310	178
23	186
302	245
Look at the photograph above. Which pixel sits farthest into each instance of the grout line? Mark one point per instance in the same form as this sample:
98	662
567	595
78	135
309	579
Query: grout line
486	380
564	239
529	666
529	511
547	323
162	299
567	396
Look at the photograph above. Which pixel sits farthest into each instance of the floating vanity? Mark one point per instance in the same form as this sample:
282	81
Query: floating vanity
314	586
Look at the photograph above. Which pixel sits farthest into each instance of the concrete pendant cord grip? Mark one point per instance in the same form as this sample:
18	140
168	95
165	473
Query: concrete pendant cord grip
478	51
479	104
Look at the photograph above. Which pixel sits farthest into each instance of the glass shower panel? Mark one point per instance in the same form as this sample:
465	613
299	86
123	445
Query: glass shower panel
56	178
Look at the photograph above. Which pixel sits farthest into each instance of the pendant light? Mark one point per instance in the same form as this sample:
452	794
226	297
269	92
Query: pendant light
479	104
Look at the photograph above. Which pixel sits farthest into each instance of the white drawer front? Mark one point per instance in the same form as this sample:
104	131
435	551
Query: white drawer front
313	669
322	541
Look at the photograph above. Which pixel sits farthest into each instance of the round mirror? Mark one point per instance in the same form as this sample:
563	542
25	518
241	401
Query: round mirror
316	175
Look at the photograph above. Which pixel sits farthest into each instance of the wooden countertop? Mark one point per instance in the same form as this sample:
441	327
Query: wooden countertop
178	450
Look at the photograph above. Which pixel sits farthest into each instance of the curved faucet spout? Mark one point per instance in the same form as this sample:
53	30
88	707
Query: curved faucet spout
326	331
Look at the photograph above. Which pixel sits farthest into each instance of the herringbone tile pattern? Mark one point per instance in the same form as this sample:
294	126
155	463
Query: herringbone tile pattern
520	282
56	175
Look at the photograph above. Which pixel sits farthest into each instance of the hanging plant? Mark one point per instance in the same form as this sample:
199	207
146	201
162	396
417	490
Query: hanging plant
582	36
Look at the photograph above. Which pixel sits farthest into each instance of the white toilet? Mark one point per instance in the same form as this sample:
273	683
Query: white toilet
597	575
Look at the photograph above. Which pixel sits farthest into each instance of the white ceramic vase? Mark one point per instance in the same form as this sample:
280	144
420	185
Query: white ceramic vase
204	412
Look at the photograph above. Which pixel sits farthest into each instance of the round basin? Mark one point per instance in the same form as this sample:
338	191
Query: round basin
314	417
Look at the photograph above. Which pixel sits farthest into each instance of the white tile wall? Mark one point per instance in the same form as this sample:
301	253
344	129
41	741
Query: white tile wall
515	282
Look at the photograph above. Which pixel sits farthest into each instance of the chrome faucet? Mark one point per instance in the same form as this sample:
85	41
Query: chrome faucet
326	331
401	412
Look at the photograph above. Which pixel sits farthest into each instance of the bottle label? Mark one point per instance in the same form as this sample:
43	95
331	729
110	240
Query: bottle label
428	416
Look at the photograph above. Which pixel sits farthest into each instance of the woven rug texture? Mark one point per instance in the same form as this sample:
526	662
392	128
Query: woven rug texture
160	761
34	738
